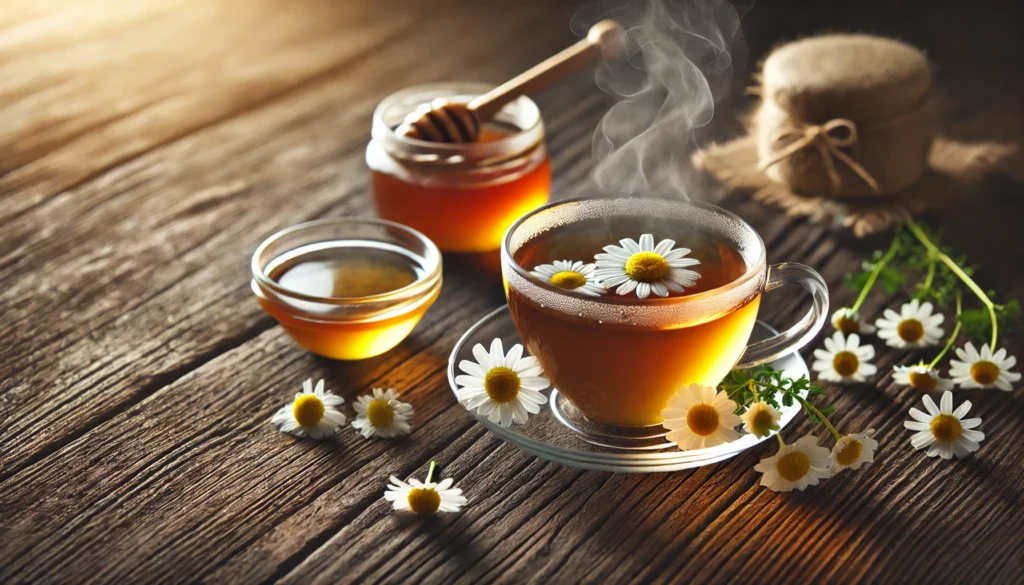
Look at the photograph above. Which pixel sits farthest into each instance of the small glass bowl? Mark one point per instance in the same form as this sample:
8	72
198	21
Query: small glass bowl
347	328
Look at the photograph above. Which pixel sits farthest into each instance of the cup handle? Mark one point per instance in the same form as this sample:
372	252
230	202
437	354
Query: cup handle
805	329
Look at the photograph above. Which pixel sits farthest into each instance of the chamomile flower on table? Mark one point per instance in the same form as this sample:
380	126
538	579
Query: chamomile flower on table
984	369
697	417
425	498
844	359
381	414
503	388
848	321
575	276
944	431
921	377
645	268
913	326
854	451
796	466
760	419
312	413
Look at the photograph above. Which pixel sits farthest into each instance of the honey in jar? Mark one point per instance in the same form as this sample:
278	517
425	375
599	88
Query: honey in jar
347	289
461	196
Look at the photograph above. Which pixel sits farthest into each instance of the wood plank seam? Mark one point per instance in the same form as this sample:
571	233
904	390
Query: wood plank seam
153	386
310	82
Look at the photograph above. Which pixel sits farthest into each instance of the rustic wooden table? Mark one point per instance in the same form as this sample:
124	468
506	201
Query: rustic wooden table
145	150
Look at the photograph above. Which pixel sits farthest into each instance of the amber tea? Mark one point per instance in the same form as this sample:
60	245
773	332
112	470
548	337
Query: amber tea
619	357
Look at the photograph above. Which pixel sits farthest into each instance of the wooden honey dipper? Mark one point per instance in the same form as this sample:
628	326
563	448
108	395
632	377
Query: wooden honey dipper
446	121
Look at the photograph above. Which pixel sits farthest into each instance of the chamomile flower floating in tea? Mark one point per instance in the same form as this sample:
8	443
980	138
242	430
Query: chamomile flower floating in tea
848	321
913	326
382	414
921	377
796	466
844	359
645	268
697	417
761	419
425	498
984	369
312	413
570	275
502	388
854	451
944	431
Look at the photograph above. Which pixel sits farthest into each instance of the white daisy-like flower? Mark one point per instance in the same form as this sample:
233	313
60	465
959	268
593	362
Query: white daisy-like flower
575	276
645	268
922	378
796	466
698	417
854	451
425	498
913	326
761	419
312	413
382	414
983	369
849	321
944	431
503	388
844	359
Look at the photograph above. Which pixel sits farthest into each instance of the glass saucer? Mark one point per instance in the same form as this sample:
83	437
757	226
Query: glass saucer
560	433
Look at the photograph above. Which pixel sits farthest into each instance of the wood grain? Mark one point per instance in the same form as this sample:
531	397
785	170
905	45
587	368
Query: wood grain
147	148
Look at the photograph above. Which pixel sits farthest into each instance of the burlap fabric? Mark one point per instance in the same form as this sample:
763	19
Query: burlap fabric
845	132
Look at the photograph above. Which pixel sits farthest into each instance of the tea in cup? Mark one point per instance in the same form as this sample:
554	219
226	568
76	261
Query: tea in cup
683	285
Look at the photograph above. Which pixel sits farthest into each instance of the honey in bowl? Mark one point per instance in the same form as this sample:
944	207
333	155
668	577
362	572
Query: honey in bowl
347	289
624	372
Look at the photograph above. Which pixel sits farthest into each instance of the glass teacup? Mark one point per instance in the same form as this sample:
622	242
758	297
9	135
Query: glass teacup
619	358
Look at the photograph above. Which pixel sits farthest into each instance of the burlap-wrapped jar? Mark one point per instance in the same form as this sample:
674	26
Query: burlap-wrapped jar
844	115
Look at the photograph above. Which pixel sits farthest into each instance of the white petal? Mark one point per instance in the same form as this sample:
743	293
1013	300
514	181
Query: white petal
482	357
497	352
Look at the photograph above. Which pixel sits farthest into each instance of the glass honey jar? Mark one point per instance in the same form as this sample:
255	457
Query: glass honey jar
461	196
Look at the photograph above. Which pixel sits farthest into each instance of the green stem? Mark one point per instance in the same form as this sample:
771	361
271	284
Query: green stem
817	413
952	338
931	273
778	436
967	280
882	262
430	472
753	389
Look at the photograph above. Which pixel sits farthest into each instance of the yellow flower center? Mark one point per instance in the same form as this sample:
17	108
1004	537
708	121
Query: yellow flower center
761	424
380	413
568	280
702	419
985	372
424	500
910	330
848	325
922	381
946	428
845	363
793	466
308	410
850	454
646	267
502	384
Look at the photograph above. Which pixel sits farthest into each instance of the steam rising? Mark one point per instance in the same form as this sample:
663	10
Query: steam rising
681	62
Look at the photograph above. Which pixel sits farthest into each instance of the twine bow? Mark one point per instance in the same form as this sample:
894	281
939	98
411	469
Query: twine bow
828	138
